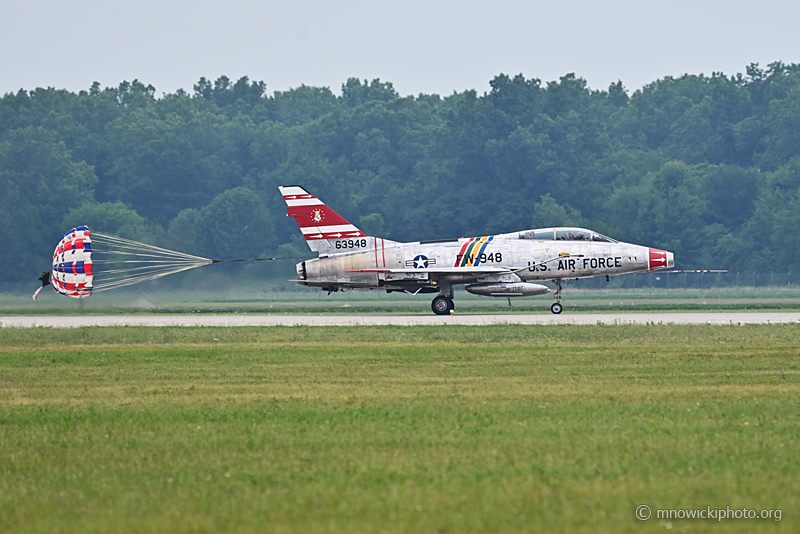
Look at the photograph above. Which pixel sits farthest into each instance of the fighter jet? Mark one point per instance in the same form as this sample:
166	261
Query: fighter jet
503	265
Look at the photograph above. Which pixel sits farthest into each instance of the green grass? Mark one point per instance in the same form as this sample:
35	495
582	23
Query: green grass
397	429
248	300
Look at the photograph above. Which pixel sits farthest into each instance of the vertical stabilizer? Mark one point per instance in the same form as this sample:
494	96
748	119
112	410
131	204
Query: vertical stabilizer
325	230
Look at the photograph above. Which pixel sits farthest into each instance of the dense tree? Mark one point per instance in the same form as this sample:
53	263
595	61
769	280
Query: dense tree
182	232
771	236
302	104
113	218
548	212
355	93
782	139
163	165
706	166
39	183
236	223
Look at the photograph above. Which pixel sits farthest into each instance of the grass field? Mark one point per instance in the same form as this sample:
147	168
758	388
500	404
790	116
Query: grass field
258	297
397	429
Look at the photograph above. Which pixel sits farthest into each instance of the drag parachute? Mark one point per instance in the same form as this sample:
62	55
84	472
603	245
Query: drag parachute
87	262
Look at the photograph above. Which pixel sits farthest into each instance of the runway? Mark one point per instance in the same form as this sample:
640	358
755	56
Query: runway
733	318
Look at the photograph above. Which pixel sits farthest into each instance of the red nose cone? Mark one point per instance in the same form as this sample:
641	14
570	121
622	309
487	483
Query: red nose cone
658	259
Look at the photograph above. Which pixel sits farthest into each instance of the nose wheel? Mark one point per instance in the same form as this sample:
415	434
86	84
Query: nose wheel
442	305
557	307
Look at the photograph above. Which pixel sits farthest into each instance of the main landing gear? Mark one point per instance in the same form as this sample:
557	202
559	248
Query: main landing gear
442	305
557	307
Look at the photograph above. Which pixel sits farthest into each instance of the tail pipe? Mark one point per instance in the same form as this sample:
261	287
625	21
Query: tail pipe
301	272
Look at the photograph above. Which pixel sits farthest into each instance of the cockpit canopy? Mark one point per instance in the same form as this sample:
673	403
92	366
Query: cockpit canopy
563	234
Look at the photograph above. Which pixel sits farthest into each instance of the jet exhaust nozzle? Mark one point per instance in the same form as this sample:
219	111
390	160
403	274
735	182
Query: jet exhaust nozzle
513	289
301	271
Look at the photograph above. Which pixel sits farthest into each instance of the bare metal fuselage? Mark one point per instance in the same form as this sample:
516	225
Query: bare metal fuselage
415	265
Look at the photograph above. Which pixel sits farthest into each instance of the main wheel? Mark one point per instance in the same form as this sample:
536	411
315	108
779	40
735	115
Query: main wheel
556	308
442	305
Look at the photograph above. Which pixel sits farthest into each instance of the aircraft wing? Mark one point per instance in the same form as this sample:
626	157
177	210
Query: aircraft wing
440	270
695	271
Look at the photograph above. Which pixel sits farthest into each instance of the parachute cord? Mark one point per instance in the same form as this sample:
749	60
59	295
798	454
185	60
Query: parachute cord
253	259
263	259
155	272
148	268
120	242
129	281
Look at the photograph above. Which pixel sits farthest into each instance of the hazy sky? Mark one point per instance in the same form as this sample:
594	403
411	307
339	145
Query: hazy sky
420	46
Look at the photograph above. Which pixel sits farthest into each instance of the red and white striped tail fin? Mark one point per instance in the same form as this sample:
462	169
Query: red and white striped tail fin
321	226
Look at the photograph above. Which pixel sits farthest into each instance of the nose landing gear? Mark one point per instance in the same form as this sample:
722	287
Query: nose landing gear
557	307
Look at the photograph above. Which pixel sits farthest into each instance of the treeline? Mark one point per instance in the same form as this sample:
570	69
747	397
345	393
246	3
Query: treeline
705	166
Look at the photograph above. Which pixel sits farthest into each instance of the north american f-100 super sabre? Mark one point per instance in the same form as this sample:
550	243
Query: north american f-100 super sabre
503	265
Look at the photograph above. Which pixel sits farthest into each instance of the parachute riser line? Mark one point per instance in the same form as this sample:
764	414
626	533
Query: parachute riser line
252	259
145	278
141	246
263	259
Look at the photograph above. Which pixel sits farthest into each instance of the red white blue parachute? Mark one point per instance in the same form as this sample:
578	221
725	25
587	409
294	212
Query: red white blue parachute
72	264
85	263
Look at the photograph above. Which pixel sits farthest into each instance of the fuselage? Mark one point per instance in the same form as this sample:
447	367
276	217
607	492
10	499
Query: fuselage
531	259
